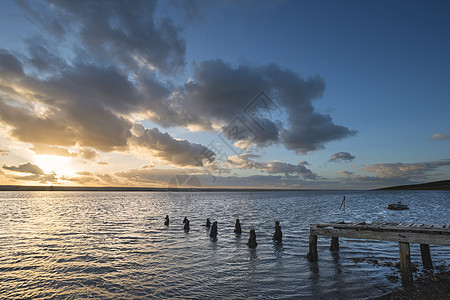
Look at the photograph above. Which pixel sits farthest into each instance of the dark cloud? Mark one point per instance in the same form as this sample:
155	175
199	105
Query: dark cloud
10	66
341	156
34	173
25	168
128	33
440	137
88	154
221	92
244	161
27	126
277	167
52	150
41	58
162	145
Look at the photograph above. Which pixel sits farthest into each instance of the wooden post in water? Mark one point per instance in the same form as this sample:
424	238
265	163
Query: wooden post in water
405	264
312	254
334	244
252	239
426	256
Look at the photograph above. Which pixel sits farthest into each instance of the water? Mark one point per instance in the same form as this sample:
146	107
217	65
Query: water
114	245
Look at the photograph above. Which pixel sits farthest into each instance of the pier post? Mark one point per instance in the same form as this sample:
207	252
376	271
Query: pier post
237	227
252	239
186	224
426	256
213	232
405	264
312	255
166	222
278	235
334	244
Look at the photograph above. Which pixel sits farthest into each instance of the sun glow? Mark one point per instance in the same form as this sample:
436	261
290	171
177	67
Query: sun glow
53	163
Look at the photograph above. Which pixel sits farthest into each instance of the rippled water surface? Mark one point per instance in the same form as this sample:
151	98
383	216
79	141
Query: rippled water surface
115	245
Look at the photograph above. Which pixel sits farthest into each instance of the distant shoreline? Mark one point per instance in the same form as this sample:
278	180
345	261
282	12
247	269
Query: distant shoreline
140	189
443	185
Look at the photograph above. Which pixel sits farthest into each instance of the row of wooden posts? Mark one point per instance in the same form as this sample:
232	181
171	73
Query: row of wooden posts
277	236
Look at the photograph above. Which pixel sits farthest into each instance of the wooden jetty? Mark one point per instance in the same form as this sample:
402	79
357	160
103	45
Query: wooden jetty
403	233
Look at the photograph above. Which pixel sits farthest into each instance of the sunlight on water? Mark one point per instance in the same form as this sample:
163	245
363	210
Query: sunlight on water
114	245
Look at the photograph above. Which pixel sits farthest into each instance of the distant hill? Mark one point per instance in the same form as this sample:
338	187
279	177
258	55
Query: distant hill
443	185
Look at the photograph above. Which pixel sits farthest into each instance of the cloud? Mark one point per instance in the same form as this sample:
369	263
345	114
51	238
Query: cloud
104	65
221	92
84	173
165	147
26	126
25	168
84	179
88	154
34	171
103	163
192	177
154	177
440	137
341	156
3	152
244	161
129	34
45	178
10	66
52	150
407	170
277	167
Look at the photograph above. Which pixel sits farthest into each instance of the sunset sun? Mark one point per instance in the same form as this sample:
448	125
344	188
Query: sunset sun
53	163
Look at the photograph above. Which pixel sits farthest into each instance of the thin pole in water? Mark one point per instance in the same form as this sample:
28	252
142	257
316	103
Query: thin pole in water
342	204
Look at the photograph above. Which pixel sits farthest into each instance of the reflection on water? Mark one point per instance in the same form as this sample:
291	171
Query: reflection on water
115	245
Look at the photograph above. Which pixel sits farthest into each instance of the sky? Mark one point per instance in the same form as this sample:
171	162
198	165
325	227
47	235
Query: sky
243	94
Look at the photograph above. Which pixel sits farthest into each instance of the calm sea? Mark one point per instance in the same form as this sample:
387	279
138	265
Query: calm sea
115	245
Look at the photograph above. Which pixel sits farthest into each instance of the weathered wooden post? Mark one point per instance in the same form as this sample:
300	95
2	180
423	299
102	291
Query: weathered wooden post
405	264
213	232
237	227
334	244
278	235
426	256
312	254
186	224
185	220
166	222
252	239
208	223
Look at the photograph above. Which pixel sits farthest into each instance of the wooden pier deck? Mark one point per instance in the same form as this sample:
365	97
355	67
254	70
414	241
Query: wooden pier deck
403	233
